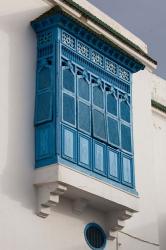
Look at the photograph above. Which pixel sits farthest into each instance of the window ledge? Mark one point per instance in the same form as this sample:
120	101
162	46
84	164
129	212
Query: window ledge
83	190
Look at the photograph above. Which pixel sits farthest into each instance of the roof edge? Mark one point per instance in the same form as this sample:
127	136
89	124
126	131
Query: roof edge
106	27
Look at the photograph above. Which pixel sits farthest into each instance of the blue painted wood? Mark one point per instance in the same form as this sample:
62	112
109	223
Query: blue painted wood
99	158
44	143
127	170
84	151
69	144
113	160
83	102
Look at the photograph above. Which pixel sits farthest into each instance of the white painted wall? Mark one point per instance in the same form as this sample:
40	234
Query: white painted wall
63	229
159	155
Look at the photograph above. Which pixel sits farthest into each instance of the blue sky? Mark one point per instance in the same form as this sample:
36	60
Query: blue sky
146	19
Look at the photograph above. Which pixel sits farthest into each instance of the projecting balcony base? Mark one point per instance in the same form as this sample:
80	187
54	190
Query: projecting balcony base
56	180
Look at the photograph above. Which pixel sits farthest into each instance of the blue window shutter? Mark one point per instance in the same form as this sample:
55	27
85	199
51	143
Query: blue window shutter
99	154
84	117
99	125
127	170
98	97
113	164
43	107
84	151
83	89
111	104
44	78
69	144
113	131
125	111
68	80
44	98
44	141
69	114
126	137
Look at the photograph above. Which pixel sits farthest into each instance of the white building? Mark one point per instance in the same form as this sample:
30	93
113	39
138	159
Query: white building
130	212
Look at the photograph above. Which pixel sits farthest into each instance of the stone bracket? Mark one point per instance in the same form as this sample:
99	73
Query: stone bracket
48	196
116	221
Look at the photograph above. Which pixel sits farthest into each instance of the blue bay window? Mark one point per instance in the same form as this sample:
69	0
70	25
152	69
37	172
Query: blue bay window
83	113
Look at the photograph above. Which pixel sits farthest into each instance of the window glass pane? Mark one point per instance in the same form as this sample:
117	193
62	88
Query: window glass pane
113	164
127	170
98	97
83	89
99	127
111	104
68	109
125	111
99	157
113	131
84	117
126	137
68	80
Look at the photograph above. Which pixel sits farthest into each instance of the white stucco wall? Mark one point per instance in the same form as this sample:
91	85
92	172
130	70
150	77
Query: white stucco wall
159	155
63	229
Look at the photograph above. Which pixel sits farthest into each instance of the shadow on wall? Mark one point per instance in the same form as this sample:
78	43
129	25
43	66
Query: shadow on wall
16	173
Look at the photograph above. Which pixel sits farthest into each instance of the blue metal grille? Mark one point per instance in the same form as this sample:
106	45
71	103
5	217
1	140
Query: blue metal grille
95	236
